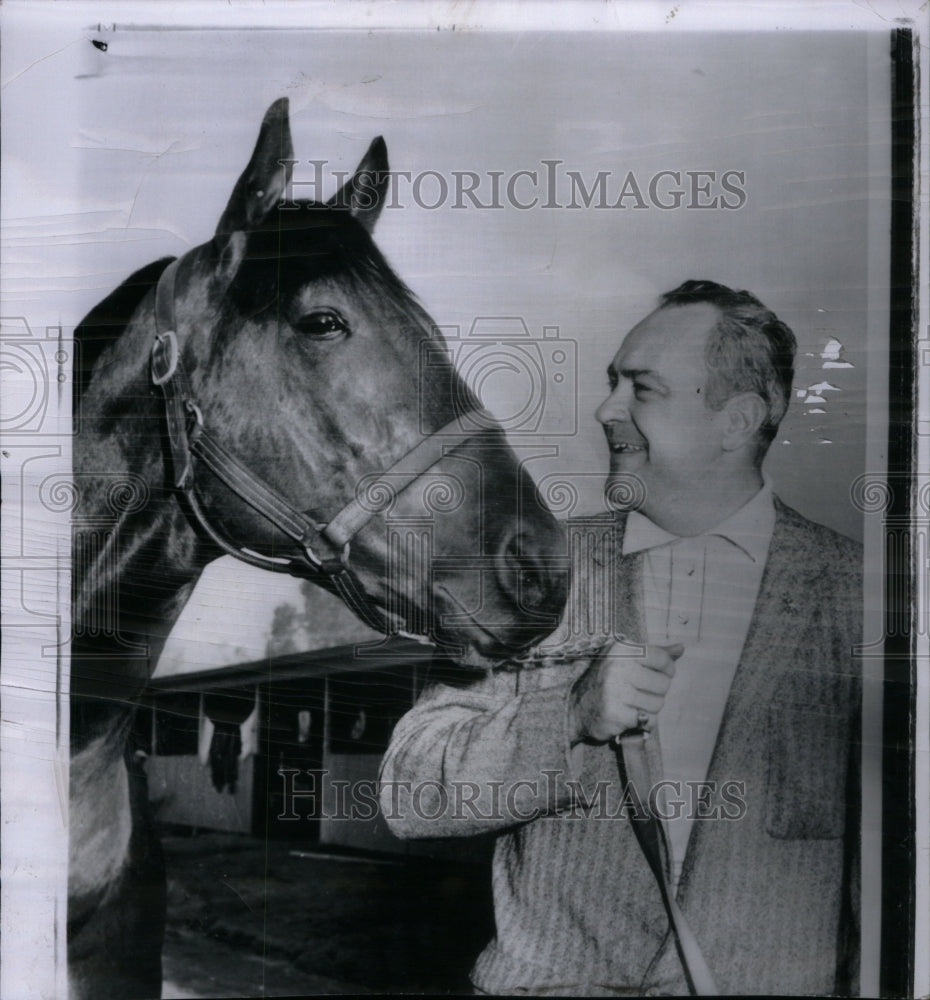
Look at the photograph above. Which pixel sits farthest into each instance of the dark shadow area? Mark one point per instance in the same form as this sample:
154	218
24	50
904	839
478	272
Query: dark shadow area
393	924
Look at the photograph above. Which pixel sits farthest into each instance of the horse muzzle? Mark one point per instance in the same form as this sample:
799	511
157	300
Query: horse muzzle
488	609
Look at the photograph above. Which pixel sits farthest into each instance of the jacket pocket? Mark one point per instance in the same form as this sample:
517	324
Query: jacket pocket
809	733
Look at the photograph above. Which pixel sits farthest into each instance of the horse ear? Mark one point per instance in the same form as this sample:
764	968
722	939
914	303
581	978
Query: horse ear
265	179
363	195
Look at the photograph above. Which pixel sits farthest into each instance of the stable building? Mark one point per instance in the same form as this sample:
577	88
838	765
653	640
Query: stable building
287	747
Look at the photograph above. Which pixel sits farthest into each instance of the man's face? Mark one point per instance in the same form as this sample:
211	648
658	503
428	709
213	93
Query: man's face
655	418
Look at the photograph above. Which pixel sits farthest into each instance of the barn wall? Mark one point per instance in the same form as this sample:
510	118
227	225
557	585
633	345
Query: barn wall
181	792
337	808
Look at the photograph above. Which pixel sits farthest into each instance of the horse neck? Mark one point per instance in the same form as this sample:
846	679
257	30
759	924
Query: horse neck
135	557
133	576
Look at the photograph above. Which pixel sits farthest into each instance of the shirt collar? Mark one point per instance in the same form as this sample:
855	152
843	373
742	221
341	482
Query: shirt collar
749	528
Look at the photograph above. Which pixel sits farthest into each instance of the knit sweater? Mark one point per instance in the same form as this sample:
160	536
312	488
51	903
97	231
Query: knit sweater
770	878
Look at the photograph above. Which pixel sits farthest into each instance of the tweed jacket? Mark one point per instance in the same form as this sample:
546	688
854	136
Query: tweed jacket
770	877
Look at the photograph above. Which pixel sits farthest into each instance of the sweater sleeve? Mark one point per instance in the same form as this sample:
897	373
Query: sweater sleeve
472	759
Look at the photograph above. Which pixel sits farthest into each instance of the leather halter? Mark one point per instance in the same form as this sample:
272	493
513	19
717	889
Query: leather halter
189	441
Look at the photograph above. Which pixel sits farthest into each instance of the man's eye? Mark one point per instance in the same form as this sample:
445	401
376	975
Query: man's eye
322	324
640	387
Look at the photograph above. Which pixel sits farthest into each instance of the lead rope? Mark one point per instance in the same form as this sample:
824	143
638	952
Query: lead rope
634	766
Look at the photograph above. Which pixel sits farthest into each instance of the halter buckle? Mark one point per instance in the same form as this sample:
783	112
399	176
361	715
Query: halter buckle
315	561
194	410
164	357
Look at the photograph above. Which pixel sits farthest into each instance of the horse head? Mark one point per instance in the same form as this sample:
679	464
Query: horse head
317	425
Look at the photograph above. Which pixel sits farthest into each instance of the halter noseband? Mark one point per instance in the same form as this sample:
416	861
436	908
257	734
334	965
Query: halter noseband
188	440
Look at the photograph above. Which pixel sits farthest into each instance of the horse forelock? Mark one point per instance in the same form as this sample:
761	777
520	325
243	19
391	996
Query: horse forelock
308	240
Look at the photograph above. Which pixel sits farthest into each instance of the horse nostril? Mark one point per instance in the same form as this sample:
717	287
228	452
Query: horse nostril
531	587
523	576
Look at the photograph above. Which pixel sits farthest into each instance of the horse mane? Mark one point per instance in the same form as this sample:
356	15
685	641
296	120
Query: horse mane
107	320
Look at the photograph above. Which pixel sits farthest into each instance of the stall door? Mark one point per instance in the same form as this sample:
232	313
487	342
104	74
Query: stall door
292	760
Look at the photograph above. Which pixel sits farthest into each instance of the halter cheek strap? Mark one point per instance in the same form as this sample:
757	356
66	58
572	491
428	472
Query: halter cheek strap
189	440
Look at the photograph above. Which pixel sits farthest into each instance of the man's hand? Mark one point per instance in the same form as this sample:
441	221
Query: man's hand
612	694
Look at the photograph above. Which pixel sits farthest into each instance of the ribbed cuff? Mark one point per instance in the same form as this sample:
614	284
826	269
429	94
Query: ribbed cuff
546	739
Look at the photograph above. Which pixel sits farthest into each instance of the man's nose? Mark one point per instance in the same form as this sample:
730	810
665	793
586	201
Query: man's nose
616	406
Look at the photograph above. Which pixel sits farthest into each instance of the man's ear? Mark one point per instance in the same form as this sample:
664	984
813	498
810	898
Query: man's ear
744	415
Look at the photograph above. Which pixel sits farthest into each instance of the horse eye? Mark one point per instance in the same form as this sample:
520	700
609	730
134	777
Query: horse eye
323	324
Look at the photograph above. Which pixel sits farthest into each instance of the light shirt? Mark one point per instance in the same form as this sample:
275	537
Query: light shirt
699	591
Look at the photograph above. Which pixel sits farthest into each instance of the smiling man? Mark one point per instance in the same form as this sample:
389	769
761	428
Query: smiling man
696	397
746	616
